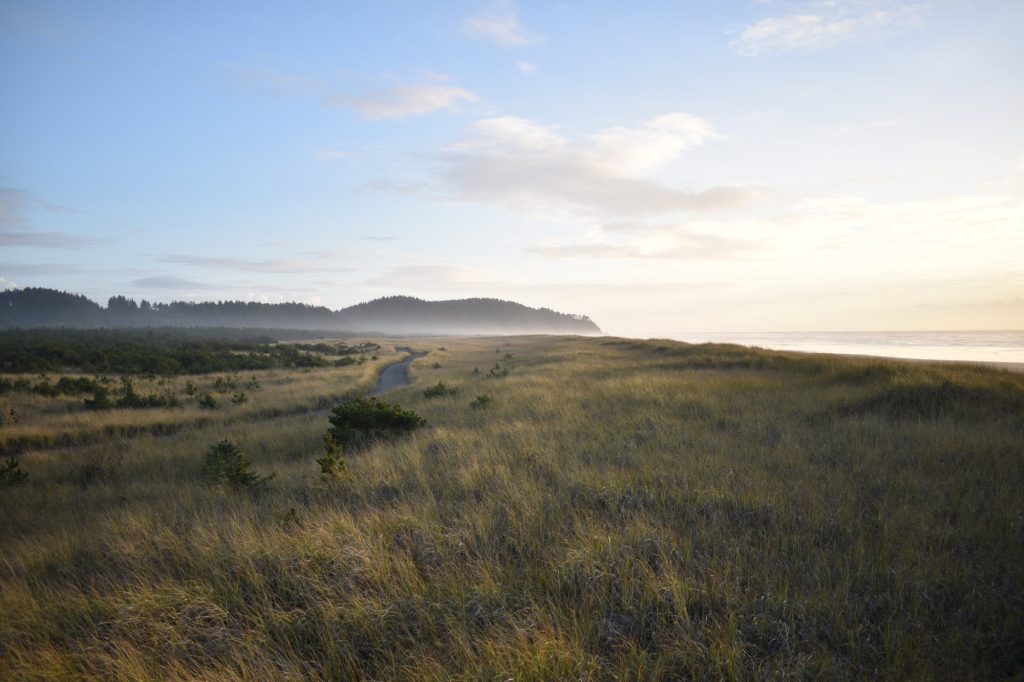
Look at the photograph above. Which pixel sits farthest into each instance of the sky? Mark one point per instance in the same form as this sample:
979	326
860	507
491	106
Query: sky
664	167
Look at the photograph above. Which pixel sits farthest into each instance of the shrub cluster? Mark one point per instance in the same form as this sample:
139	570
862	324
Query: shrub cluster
359	422
136	400
439	390
138	352
64	386
499	371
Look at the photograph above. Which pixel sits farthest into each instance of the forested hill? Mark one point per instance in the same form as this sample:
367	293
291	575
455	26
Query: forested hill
39	307
407	315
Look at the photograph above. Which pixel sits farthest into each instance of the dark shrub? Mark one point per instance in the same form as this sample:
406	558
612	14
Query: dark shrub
226	465
481	401
359	422
100	399
499	371
332	464
11	473
207	402
439	390
129	398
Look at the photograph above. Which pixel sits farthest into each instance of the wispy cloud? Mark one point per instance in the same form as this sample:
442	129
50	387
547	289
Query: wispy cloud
13	205
402	101
428	277
396	186
16	225
271	265
394	101
499	24
524	166
332	154
632	241
274	82
820	24
842	223
41	268
7	284
168	283
526	68
45	240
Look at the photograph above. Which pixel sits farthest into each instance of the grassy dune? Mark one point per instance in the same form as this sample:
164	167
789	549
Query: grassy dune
44	421
617	510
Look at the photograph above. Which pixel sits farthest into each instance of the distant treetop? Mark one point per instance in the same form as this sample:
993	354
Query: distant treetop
41	307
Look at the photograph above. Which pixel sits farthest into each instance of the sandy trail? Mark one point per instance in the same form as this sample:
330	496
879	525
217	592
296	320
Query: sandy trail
395	375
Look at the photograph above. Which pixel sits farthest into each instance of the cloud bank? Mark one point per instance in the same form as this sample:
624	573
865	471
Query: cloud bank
525	166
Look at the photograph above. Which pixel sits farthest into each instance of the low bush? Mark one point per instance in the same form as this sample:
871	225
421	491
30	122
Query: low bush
359	422
226	465
481	401
207	401
11	473
130	398
499	371
64	386
224	385
100	399
439	390
332	464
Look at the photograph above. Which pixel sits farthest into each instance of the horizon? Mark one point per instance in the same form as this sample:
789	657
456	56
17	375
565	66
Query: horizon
678	333
769	166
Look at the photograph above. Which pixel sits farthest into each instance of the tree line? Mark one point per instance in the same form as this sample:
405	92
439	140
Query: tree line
40	307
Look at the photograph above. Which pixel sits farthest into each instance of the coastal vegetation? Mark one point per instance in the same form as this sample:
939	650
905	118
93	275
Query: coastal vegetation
158	351
620	509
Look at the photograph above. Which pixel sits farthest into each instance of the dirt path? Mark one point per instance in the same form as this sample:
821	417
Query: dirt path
395	376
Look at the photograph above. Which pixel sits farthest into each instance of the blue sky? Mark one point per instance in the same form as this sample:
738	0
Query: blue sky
661	166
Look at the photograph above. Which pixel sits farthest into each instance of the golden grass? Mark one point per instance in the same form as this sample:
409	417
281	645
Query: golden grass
64	421
619	510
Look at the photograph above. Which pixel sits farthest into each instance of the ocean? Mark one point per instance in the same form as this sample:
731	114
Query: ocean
964	346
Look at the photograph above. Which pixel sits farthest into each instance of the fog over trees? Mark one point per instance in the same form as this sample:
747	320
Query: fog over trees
41	307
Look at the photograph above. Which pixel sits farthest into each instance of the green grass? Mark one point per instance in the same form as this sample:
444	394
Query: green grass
620	510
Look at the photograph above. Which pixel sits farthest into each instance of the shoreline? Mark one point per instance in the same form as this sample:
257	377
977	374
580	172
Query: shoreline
880	346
